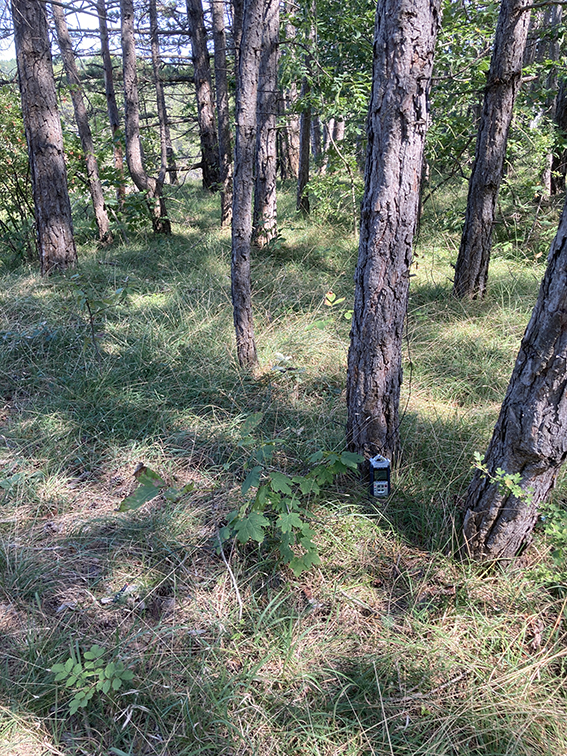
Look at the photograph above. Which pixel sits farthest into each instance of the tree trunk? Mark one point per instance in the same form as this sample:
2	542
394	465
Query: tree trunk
144	183
237	21
289	132
302	202
398	116
113	115
265	198
167	162
327	142
246	98
204	93
83	126
559	157
223	113
54	225
316	138
289	135
530	437
504	78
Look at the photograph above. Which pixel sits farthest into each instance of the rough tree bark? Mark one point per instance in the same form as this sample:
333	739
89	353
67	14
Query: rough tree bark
204	94
246	98
265	198
83	126
237	21
53	221
404	42
113	116
503	83
530	436
223	113
144	183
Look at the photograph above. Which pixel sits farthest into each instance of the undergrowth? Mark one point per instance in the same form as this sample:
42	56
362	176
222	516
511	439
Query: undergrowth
390	645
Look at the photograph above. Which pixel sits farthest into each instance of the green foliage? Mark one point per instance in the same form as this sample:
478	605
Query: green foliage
17	231
554	520
93	674
149	486
332	302
508	484
279	508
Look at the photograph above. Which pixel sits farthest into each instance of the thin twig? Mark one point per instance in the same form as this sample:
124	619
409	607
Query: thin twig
233	579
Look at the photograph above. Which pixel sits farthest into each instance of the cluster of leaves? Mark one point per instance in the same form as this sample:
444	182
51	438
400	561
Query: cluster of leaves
90	675
276	505
332	302
508	484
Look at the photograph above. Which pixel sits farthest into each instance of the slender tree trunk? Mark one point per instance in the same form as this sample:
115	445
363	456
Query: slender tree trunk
246	98
204	93
113	115
83	126
404	42
316	137
223	113
290	139
504	78
327	142
166	146
289	133
302	202
237	21
144	183
53	221
166	150
530	436
559	157
265	198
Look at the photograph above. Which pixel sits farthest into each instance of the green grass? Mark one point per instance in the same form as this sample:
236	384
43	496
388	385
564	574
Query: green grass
392	646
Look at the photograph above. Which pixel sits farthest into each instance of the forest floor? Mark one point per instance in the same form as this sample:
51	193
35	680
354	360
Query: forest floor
392	645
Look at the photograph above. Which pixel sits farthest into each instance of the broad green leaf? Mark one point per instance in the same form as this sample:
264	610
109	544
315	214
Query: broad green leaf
306	485
286	522
139	497
116	683
261	495
109	670
352	460
252	479
8	483
251	528
105	687
280	482
251	422
94	652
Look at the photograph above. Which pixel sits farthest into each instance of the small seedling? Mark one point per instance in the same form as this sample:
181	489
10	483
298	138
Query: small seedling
90	675
279	509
